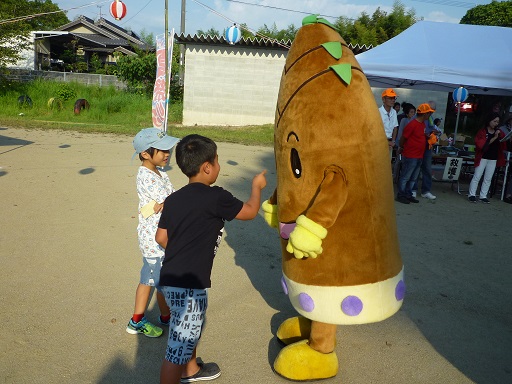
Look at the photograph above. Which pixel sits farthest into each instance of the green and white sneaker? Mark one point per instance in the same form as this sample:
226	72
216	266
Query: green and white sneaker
145	327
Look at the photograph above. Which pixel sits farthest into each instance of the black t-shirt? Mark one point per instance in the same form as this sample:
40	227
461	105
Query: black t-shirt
194	218
492	150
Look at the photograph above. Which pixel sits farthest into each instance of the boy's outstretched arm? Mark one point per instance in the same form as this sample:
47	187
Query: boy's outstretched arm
251	207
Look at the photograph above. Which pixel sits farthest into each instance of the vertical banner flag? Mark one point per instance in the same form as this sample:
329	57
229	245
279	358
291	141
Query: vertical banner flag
160	99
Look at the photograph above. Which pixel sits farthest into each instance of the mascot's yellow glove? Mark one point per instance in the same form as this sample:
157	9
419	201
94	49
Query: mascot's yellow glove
306	239
270	214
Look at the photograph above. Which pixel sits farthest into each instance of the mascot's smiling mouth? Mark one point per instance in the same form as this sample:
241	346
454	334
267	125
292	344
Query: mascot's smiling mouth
285	229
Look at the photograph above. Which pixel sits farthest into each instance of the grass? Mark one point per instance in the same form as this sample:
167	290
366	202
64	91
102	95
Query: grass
112	111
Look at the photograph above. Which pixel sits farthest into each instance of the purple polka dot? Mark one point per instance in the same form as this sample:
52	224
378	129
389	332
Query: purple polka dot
400	290
283	284
351	305
306	302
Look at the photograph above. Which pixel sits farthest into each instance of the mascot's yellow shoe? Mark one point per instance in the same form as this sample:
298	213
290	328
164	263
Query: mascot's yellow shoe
294	329
300	362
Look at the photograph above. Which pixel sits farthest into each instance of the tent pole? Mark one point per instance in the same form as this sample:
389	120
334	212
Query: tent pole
456	125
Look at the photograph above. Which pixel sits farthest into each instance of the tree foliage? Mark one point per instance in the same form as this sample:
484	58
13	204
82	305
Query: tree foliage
370	30
278	34
496	13
140	72
209	32
377	28
214	32
14	35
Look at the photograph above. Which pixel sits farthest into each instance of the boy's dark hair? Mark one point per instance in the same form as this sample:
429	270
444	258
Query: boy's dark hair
194	150
436	120
149	151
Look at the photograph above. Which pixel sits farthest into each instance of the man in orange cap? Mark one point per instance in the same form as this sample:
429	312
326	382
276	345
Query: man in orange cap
389	118
412	148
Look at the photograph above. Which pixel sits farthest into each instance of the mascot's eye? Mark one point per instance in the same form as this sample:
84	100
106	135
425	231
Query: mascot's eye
295	161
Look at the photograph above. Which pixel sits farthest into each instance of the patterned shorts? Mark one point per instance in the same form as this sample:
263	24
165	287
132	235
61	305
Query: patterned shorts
188	310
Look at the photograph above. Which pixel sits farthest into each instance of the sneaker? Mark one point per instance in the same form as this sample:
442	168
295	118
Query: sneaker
485	201
472	199
402	200
508	200
144	327
412	199
414	194
207	371
428	195
166	323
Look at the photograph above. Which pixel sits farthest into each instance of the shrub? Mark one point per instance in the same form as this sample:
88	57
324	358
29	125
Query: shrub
65	92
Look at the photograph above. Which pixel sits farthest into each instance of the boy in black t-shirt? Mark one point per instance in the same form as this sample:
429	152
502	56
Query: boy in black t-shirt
192	223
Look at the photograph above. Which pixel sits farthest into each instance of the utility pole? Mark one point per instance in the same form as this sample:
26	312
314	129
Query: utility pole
182	47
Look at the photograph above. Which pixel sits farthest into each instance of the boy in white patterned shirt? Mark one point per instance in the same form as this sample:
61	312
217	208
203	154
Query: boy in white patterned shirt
153	186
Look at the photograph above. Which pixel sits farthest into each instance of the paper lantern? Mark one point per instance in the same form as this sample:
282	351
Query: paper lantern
460	94
117	9
233	34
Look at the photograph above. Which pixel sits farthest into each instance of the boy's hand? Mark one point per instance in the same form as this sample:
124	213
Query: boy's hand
158	207
259	180
251	207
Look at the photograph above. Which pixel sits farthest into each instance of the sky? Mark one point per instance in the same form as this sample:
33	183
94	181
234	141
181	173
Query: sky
149	15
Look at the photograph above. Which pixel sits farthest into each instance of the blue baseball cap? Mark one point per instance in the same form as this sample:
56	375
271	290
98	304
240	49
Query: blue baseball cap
153	138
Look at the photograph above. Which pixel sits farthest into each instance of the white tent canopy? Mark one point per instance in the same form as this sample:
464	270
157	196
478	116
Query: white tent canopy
443	56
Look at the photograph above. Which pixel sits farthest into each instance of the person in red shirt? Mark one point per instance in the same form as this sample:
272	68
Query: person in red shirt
489	154
411	149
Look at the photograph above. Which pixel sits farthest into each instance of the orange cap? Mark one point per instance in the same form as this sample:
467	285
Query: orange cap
425	108
389	93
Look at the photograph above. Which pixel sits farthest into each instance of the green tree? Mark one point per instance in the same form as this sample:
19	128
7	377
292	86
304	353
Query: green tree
140	72
209	32
14	35
278	34
148	38
96	66
246	34
496	13
377	28
213	32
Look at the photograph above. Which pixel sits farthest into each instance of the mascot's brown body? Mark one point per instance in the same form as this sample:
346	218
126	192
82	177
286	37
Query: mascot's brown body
333	204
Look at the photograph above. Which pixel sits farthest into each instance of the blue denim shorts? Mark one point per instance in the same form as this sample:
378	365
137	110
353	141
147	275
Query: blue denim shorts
150	271
188	311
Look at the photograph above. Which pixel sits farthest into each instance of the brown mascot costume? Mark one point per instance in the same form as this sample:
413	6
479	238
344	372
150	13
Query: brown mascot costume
333	205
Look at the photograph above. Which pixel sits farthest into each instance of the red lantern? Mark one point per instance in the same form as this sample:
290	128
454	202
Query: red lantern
117	9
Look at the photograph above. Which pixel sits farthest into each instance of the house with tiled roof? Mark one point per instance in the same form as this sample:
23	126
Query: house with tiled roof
83	38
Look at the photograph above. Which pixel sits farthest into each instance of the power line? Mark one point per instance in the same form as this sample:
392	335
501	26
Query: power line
140	10
241	26
281	9
450	3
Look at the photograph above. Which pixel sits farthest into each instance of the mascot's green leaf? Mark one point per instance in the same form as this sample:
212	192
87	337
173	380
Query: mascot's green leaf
344	71
326	22
334	49
314	19
311	19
